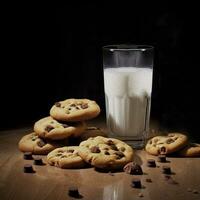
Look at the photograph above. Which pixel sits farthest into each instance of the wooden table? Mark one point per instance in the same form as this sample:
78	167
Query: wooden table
52	183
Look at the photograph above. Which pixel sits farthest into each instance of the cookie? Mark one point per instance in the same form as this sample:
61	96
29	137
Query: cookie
92	132
71	110
106	153
52	129
166	144
66	157
32	143
191	150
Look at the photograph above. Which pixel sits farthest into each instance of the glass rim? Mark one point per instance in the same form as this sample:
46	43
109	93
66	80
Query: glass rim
127	47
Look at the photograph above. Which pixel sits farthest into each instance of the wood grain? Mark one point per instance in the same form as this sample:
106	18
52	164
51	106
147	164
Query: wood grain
52	183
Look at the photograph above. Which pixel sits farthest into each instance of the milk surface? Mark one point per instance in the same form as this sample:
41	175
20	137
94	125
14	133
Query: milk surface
128	96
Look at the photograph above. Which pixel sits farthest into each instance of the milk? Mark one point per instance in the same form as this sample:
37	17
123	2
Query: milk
128	96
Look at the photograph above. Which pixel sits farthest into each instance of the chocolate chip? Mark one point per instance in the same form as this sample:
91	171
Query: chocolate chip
113	147
151	163
28	168
106	153
162	158
77	108
58	154
84	105
110	142
65	125
136	183
133	168
28	156
166	170
169	141
73	192
73	105
58	104
48	128
64	156
119	154
95	149
38	161
70	150
122	149
106	149
41	143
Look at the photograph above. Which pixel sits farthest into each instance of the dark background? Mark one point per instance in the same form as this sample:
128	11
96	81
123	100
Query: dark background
51	53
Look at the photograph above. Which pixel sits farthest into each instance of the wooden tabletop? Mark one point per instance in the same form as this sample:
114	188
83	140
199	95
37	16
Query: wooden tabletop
52	183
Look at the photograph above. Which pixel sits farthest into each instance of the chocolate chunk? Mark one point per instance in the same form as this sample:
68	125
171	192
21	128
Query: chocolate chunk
133	168
41	143
95	149
70	150
162	158
28	156
84	105
106	153
169	141
65	125
122	149
73	105
110	142
38	161
28	168
148	180
119	154
73	192
166	170
162	150
151	163
58	104
48	128
136	183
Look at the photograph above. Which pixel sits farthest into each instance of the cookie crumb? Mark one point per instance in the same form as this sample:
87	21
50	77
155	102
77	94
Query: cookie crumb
195	192
148	180
140	195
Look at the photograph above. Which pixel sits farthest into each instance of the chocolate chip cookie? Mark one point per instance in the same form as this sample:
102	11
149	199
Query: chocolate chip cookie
106	153
71	110
52	129
92	132
191	150
166	144
32	143
66	157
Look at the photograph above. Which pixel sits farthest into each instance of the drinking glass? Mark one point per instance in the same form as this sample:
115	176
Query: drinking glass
128	71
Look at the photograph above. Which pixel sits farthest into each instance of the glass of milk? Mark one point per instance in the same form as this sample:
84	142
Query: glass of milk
128	71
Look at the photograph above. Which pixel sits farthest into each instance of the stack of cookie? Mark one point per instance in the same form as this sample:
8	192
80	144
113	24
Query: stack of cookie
172	144
66	121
